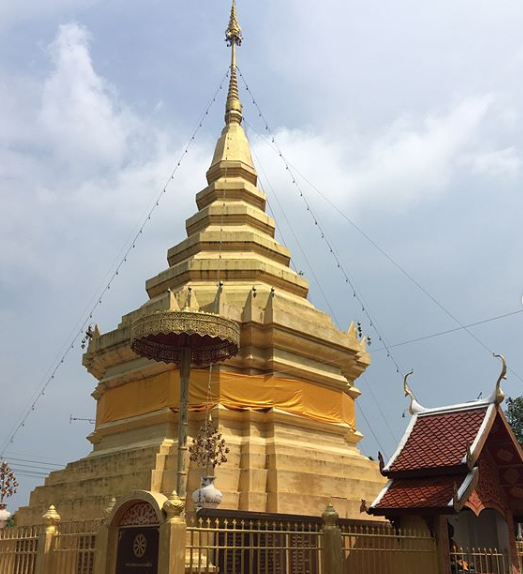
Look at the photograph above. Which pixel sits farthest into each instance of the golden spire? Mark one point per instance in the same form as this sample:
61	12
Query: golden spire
233	37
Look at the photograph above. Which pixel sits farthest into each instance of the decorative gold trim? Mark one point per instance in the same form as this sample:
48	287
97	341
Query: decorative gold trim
140	514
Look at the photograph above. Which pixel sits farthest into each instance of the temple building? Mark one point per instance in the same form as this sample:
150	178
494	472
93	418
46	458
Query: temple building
458	472
285	404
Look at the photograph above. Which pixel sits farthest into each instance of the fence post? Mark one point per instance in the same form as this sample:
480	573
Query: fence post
172	537
45	541
332	556
442	545
102	540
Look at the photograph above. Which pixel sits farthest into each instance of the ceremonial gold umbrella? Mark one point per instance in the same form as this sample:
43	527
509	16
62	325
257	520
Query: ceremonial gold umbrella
186	338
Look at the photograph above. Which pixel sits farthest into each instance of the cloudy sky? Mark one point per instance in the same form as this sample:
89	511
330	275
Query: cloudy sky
405	117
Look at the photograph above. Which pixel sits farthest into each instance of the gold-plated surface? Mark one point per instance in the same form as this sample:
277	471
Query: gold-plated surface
163	335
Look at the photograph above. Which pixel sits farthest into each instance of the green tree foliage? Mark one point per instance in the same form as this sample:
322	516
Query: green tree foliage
514	414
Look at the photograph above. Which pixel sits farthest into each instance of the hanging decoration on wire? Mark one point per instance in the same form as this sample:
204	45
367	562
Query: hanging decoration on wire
86	331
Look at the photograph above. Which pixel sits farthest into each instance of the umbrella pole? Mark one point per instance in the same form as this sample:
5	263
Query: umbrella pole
185	369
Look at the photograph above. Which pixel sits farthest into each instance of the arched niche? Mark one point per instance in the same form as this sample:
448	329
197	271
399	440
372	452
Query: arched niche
134	533
125	504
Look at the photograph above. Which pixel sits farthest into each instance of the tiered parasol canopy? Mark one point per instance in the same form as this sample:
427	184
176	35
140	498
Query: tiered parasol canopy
163	336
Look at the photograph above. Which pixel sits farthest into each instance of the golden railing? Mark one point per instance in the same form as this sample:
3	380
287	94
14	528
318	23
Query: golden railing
18	549
519	554
73	548
384	549
243	546
480	560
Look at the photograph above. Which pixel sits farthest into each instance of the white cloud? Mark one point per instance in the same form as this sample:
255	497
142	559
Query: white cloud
412	160
80	112
504	162
81	157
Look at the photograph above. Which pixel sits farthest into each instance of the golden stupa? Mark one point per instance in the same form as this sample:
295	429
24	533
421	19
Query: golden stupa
285	404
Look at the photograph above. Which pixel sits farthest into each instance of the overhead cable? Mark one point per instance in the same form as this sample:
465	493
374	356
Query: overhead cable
324	236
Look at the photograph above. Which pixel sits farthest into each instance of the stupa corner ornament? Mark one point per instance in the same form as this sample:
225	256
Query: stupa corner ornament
172	302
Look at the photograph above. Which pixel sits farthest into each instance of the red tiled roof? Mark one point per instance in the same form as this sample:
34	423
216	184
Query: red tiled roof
434	492
439	440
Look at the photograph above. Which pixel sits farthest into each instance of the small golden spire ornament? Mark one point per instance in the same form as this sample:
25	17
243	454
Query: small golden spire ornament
233	37
233	34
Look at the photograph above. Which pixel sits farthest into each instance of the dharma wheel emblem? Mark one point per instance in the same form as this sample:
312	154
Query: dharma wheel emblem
140	546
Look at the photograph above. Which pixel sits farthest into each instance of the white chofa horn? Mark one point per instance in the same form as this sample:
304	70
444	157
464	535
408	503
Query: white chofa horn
414	407
498	396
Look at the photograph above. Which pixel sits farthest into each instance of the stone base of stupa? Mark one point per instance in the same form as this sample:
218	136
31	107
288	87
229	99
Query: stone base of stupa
279	463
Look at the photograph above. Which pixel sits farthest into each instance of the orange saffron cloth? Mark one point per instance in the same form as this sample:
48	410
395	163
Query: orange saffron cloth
234	391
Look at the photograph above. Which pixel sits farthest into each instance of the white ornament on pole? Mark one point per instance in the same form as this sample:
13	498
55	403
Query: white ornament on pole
5	515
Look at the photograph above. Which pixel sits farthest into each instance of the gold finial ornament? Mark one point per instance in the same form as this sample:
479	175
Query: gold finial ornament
330	516
51	518
499	396
173	506
233	34
233	37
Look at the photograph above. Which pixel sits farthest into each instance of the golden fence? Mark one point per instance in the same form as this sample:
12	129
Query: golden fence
248	546
489	560
385	550
18	549
519	554
70	549
73	548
